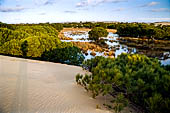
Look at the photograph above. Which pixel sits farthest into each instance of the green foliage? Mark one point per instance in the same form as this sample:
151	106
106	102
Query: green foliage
8	34
143	30
70	55
111	26
154	102
4	25
142	80
38	44
101	24
89	64
24	48
120	102
38	30
57	26
78	78
90	25
97	33
12	47
38	41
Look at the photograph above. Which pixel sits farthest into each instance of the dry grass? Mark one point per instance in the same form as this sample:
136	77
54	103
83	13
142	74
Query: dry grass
85	29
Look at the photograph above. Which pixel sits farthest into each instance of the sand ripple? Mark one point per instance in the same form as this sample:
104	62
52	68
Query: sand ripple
28	86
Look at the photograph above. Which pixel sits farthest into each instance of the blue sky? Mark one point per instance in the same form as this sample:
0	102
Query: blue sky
35	11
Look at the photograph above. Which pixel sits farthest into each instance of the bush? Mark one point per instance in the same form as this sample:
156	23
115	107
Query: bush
69	55
97	33
38	41
142	80
142	30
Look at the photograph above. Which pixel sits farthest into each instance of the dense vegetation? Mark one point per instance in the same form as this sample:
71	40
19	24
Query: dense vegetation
136	78
138	30
141	80
144	31
97	34
69	55
89	25
35	40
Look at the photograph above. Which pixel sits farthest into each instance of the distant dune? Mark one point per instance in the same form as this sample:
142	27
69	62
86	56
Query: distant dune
162	23
29	86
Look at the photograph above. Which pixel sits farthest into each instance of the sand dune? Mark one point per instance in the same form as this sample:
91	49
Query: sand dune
28	86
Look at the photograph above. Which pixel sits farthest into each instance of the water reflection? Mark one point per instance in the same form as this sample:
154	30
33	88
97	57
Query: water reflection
114	44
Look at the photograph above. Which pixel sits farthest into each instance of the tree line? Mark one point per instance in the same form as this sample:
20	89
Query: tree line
137	30
142	30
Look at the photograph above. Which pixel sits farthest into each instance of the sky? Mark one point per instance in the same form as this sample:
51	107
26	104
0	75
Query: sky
53	11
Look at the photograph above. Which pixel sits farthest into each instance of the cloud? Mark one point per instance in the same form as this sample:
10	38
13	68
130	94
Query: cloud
160	10
82	4
119	9
116	1
42	13
70	12
150	4
12	9
154	19
83	9
85	3
44	2
49	2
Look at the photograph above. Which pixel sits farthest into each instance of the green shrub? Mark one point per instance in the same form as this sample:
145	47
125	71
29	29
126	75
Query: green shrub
142	80
38	41
70	55
97	33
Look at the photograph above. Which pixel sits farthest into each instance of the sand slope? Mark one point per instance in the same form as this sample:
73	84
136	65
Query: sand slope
28	86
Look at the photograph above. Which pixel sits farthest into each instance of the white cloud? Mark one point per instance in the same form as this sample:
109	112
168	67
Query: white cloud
82	4
44	2
42	13
96	2
70	11
119	9
154	19
11	9
153	3
150	4
160	10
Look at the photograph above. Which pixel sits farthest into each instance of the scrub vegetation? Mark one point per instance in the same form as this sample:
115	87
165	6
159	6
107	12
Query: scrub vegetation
37	41
129	78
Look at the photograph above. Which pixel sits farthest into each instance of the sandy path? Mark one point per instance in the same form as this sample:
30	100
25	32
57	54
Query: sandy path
28	86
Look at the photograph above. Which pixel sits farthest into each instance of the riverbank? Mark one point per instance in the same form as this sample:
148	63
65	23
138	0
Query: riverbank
77	31
116	45
85	29
38	87
142	43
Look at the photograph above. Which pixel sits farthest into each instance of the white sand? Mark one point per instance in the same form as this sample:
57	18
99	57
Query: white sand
29	86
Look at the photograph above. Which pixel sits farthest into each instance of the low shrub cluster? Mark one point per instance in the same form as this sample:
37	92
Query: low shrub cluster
137	78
